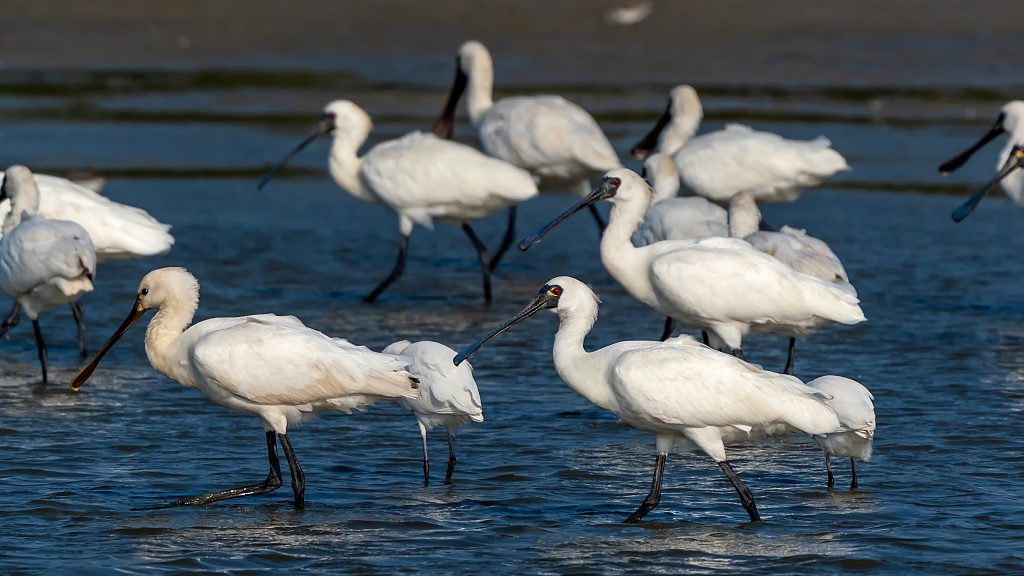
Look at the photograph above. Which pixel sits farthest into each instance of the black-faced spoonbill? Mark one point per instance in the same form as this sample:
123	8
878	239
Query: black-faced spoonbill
722	285
117	231
448	394
1011	121
681	391
551	137
271	366
422	178
852	403
719	164
44	263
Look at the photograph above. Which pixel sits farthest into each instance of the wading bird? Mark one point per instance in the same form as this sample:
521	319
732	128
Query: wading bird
719	164
44	263
117	231
448	394
672	217
681	391
722	285
422	178
852	403
1011	121
551	137
271	366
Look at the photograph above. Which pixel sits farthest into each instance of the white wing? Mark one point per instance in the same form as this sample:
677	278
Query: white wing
800	252
548	135
276	360
39	250
444	387
851	401
423	176
682	219
117	231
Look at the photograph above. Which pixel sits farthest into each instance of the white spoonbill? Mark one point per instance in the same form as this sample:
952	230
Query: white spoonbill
422	178
551	137
1011	121
851	402
721	285
672	217
448	394
681	391
43	263
719	164
117	231
268	365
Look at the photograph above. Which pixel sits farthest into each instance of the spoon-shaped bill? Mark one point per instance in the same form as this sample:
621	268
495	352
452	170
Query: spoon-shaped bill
444	125
606	189
1015	161
323	127
543	301
964	156
86	372
649	142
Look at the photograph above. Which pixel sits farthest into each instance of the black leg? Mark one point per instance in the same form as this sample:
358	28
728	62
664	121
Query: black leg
12	319
853	473
707	339
654	496
739	354
746	498
403	252
273	482
79	313
789	363
451	460
298	478
42	347
485	260
828	466
510	237
426	461
670	326
598	218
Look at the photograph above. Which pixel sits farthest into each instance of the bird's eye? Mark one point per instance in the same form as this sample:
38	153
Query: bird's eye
616	182
555	291
144	291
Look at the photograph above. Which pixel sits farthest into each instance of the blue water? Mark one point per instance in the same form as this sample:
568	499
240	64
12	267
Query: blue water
544	482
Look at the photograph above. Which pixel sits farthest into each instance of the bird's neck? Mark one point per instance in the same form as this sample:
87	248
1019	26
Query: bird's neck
583	372
22	206
625	262
163	332
345	164
665	187
744	219
683	126
479	92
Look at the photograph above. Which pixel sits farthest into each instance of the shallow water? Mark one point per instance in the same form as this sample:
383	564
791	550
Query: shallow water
544	481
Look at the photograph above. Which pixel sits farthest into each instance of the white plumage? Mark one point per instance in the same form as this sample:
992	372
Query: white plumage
721	285
43	263
117	231
676	218
448	393
422	178
681	391
719	164
271	366
853	405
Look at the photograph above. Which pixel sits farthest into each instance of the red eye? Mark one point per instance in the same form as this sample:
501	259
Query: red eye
617	182
555	291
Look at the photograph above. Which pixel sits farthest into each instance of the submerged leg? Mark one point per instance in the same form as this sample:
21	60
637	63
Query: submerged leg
510	237
42	347
426	462
670	326
403	252
273	482
451	459
789	363
739	354
853	473
485	260
597	217
654	496
12	319
828	466
298	478
746	498
79	313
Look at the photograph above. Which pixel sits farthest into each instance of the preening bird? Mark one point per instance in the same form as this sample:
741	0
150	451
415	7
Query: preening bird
721	285
271	366
672	217
853	405
553	138
422	178
719	164
448	394
681	391
44	263
1010	121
